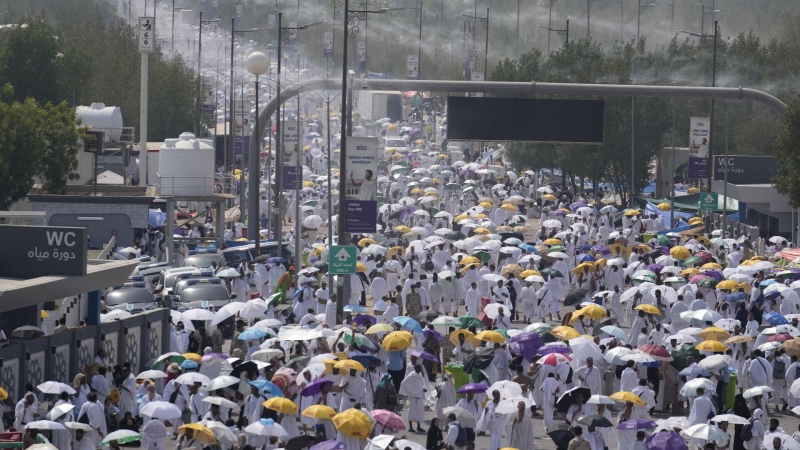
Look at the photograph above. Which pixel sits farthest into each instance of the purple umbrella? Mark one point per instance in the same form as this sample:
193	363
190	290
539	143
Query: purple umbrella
557	213
314	387
329	445
363	319
477	388
424	355
602	249
577	205
664	250
548	349
656	268
527	344
208	356
179	231
636	424
715	275
436	334
666	440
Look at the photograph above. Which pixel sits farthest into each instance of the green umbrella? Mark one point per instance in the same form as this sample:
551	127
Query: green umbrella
381	198
310	203
642	279
665	241
460	378
361	340
383	162
556	248
173	358
122	437
551	271
679	356
483	256
694	260
470	321
446	174
547	338
398	169
402	162
540	328
709	282
546	209
503	332
452	186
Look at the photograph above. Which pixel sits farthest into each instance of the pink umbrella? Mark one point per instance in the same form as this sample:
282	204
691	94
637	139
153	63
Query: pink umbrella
388	419
695	279
554	359
656	351
780	338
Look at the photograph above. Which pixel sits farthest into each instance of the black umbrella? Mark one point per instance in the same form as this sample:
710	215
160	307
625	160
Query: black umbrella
262	258
504	236
27	332
561	434
248	367
567	399
301	442
595	420
575	296
455	236
480	359
653	254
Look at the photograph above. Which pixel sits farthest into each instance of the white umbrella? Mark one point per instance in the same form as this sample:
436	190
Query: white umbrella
381	441
552	223
510	405
507	389
224	312
689	389
266	427
316	370
714	362
193	377
197	314
406	444
313	221
446	274
600	400
222	402
638	357
44	425
492	310
787	442
464	417
77	426
253	309
151	374
267	354
155	432
558	255
614	356
221	382
757	391
223	434
267	323
59	411
706	432
732	419
54	387
160	410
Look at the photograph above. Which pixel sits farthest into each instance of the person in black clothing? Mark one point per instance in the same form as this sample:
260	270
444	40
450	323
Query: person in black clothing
740	409
435	439
741	315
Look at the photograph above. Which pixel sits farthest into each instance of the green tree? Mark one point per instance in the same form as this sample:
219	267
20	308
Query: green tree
787	154
60	140
28	61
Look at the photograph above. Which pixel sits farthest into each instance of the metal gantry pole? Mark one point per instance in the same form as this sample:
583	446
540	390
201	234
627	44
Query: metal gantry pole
486	50
231	152
711	121
419	44
549	25
198	126
278	219
341	235
632	184
254	183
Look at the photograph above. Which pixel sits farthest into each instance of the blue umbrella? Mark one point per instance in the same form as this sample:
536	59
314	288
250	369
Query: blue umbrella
527	247
355	309
276	260
636	424
615	331
189	364
766	283
736	296
409	323
774	318
584	257
268	387
365	358
251	333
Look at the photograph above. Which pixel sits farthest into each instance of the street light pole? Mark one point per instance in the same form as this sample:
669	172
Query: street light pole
199	124
257	64
341	235
277	221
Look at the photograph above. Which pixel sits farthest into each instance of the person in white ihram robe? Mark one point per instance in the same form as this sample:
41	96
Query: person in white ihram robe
414	386
127	398
550	389
352	443
352	391
61	438
289	423
493	422
701	408
153	435
520	429
446	396
97	419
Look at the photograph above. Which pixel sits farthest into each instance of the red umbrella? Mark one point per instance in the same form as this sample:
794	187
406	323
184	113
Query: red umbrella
388	419
554	359
656	351
780	338
696	279
705	256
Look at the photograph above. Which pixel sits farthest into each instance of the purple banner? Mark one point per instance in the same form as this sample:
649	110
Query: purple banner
698	167
360	216
237	144
292	178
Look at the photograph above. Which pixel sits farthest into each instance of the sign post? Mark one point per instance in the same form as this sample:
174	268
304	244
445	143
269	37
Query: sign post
292	177
342	259
708	201
361	190
361	53
328	44
412	67
147	27
699	135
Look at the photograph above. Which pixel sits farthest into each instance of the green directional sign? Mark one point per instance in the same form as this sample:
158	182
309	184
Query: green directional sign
416	100
342	259
708	201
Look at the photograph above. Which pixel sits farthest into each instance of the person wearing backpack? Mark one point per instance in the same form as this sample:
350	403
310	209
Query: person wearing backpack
456	433
779	367
753	433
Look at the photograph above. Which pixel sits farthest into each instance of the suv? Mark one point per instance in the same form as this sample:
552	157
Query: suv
234	255
395	142
180	280
151	271
202	293
168	277
133	297
202	257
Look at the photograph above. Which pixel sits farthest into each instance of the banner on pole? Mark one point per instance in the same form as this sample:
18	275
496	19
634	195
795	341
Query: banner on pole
271	25
412	67
362	56
292	178
699	134
291	142
208	94
698	167
293	33
328	45
361	190
242	117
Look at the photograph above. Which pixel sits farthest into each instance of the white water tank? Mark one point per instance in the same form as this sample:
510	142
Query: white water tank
100	117
186	167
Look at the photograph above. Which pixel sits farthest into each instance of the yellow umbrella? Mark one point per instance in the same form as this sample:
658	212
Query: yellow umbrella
649	309
591	311
549	197
443	156
402	229
349	364
281	404
360	267
690	271
728	285
193	356
397	340
490	336
712	346
738	339
468	266
509	208
366	242
317	251
527	273
625	396
565	332
395	251
711	266
353	423
485	204
792	346
201	433
44	314
664	206
704	240
416	191
552	241
579	268
319	412
600	263
480	216
469	337
520	229
3	394
632	212
469	260
691	191
306	148
379	328
714	334
482	230
679	252
460	217
309	184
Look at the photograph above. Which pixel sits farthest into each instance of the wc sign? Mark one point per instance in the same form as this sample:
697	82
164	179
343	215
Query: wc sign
30	251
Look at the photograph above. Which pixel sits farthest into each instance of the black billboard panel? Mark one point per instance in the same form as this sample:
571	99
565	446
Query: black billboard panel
745	169
32	251
523	119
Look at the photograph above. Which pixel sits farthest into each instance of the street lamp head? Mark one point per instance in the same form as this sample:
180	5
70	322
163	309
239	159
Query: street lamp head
308	25
257	63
